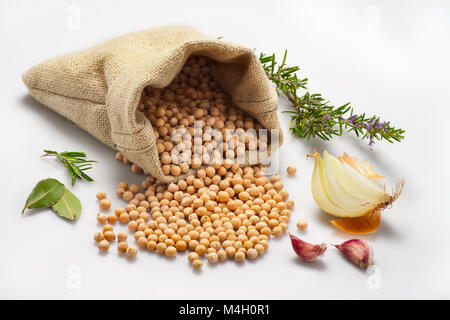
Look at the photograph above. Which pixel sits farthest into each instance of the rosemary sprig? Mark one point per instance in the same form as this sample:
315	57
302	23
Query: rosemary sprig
75	163
312	115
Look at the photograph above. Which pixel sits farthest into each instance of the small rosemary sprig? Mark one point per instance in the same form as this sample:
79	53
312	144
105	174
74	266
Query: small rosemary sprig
75	163
313	116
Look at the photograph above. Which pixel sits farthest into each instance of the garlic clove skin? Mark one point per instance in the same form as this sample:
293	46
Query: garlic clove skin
307	251
357	251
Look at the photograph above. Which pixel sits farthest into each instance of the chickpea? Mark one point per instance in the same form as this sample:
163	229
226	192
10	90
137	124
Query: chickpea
260	248
151	245
135	169
123	185
161	247
222	255
171	251
302	224
98	236
103	245
119	156
101	218
127	195
197	264
142	241
105	204
112	218
122	247
291	170
134	188
290	204
110	236
131	252
277	231
252	253
213	258
101	195
123	218
107	227
120	192
181	245
122	236
200	249
239	256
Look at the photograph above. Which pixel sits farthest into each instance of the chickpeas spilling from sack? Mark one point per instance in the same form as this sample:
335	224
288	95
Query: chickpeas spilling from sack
222	211
196	123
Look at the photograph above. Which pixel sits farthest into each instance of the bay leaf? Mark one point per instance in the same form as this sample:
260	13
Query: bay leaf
69	206
46	193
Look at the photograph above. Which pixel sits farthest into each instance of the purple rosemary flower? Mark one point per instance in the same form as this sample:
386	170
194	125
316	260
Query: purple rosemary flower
380	125
351	120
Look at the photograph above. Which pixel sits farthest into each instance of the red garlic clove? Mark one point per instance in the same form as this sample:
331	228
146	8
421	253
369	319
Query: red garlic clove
357	251
307	251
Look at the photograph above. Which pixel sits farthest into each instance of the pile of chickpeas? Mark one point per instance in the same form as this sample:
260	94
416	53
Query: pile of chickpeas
222	212
186	117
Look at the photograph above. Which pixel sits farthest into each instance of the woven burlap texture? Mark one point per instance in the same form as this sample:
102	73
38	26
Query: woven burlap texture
99	88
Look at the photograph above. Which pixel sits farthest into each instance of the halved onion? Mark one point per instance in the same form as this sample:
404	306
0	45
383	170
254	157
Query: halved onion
346	188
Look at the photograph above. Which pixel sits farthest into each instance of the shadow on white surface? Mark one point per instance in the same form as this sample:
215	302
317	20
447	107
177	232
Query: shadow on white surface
317	265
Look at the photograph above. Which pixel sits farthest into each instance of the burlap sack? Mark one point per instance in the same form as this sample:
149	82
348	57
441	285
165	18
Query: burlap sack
99	88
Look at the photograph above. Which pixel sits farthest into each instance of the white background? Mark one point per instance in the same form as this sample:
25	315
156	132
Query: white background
389	58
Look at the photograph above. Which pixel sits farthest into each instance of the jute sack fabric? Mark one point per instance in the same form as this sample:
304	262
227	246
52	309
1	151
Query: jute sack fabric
99	88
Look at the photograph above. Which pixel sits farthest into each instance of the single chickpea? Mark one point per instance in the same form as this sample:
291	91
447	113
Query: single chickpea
277	231
131	252
291	170
119	156
123	185
101	195
252	253
135	169
239	256
171	251
142	242
132	225
161	247
103	245
122	247
231	251
107	227
290	204
110	236
134	188
197	264
302	224
222	255
105	204
112	218
123	218
122	236
200	249
101	218
213	258
151	245
127	195
98	236
139	234
260	248
120	192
